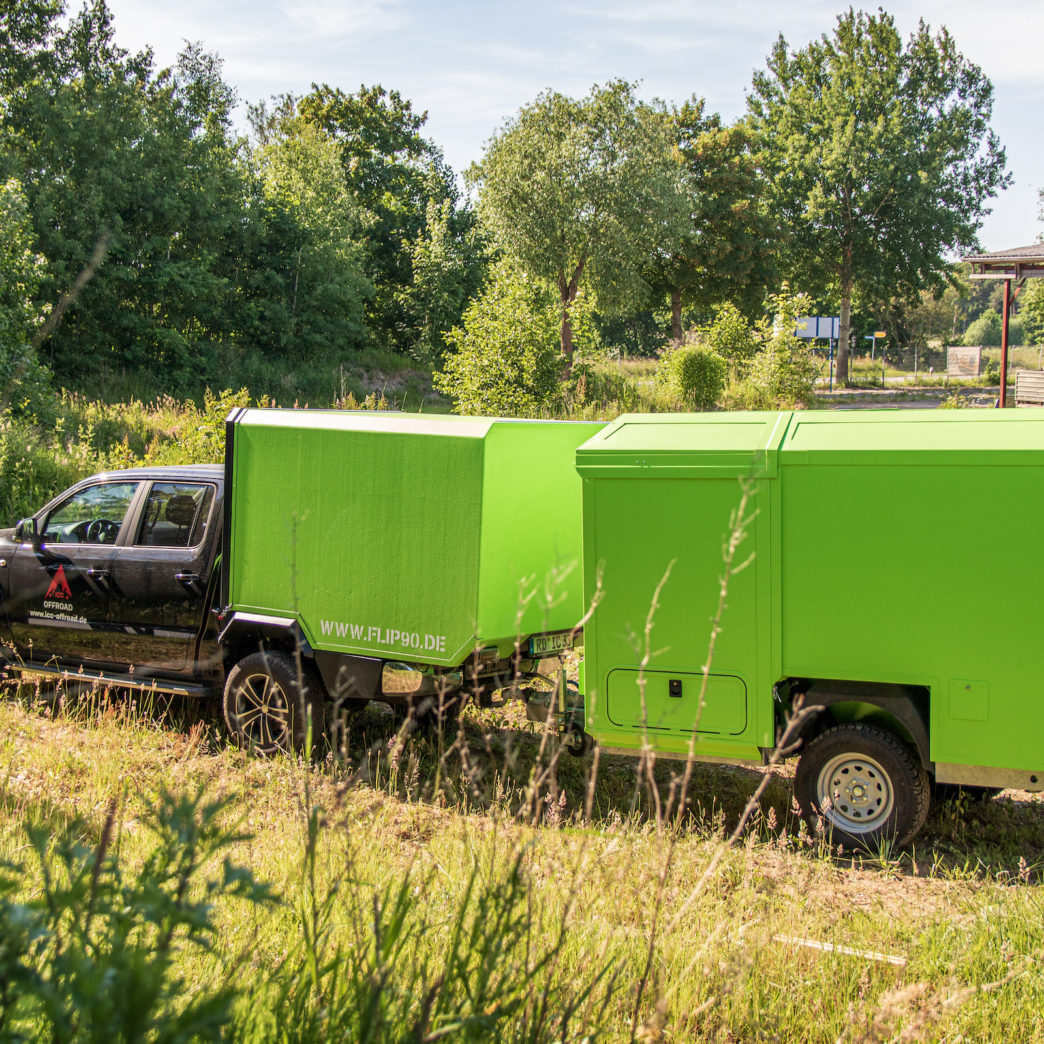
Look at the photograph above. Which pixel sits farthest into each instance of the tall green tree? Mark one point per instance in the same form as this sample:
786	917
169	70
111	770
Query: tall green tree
111	153
448	265
23	381
583	190
722	252
398	175
318	254
880	157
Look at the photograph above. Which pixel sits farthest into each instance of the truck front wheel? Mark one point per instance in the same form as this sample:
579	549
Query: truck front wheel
865	784
270	705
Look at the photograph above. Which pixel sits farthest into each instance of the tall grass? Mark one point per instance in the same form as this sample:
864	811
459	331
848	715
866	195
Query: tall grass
356	897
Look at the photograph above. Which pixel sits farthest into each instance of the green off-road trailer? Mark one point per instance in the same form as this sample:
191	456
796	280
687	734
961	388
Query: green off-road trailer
389	556
875	583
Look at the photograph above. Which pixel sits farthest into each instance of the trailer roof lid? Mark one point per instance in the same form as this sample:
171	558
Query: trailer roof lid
369	420
915	436
708	444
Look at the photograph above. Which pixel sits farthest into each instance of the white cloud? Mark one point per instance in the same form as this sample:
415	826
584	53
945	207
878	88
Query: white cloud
332	20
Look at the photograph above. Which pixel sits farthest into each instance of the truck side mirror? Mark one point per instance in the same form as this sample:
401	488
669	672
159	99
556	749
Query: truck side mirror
26	531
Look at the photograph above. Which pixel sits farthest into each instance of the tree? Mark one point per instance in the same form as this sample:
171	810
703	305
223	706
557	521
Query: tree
880	156
112	154
24	383
722	250
396	174
448	267
583	191
27	28
323	288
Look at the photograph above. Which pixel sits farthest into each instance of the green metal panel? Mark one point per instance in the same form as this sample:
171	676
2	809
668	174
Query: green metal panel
658	497
530	578
369	527
894	528
741	444
670	700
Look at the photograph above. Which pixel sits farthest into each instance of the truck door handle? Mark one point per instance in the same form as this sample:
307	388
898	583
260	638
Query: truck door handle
98	574
188	578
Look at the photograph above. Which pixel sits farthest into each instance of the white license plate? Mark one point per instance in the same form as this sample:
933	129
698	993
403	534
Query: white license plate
545	644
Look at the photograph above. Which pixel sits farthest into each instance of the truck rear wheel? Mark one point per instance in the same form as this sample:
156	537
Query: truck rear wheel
270	705
865	784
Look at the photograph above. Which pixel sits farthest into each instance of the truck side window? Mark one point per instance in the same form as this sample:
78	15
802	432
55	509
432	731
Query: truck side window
175	515
92	516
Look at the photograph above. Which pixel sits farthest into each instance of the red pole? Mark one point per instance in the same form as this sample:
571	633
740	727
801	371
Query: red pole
1004	345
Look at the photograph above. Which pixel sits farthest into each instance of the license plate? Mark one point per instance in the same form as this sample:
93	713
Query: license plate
545	644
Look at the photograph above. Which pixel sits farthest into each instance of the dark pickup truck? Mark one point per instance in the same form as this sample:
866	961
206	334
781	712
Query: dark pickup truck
335	558
114	579
121	581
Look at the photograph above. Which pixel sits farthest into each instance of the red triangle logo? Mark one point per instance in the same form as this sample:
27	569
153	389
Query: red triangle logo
59	586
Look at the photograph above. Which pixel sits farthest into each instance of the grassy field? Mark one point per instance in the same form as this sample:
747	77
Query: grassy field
476	887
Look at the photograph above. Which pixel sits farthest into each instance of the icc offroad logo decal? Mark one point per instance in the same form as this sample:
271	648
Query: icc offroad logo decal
59	587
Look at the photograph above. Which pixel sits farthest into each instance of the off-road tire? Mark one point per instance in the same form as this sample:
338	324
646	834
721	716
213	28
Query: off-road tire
270	705
863	785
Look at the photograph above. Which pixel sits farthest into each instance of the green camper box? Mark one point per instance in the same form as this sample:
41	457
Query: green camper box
876	586
404	537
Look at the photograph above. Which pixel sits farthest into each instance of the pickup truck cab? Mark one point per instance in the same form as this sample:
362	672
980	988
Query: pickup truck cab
114	579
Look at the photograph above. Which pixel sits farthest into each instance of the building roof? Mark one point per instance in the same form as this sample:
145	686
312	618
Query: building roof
1016	263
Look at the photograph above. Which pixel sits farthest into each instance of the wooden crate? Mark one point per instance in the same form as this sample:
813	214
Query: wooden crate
1029	387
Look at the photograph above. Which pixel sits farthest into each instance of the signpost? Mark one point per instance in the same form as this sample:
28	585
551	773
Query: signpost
821	327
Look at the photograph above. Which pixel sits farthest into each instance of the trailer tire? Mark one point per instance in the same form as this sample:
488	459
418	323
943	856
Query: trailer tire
270	705
864	784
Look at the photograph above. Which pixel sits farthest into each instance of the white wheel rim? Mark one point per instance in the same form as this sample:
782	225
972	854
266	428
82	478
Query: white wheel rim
855	793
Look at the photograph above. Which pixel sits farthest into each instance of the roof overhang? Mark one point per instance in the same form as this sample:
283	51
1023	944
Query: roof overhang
1016	264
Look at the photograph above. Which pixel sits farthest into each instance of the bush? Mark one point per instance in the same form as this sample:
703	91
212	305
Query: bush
505	360
695	374
93	950
986	330
783	373
729	334
1032	311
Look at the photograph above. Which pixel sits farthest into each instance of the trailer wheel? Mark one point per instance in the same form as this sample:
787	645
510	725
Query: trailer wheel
270	705
865	784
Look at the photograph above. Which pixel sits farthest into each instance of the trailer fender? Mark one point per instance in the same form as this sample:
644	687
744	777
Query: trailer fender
906	705
245	633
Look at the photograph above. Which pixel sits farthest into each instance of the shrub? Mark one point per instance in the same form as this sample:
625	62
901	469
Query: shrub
695	374
93	951
729	334
783	373
505	359
987	329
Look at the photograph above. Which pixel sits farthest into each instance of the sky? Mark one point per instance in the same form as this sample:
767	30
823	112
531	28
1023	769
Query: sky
472	65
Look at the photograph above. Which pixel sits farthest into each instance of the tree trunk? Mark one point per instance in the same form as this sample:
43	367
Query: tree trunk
567	293
676	326
845	333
